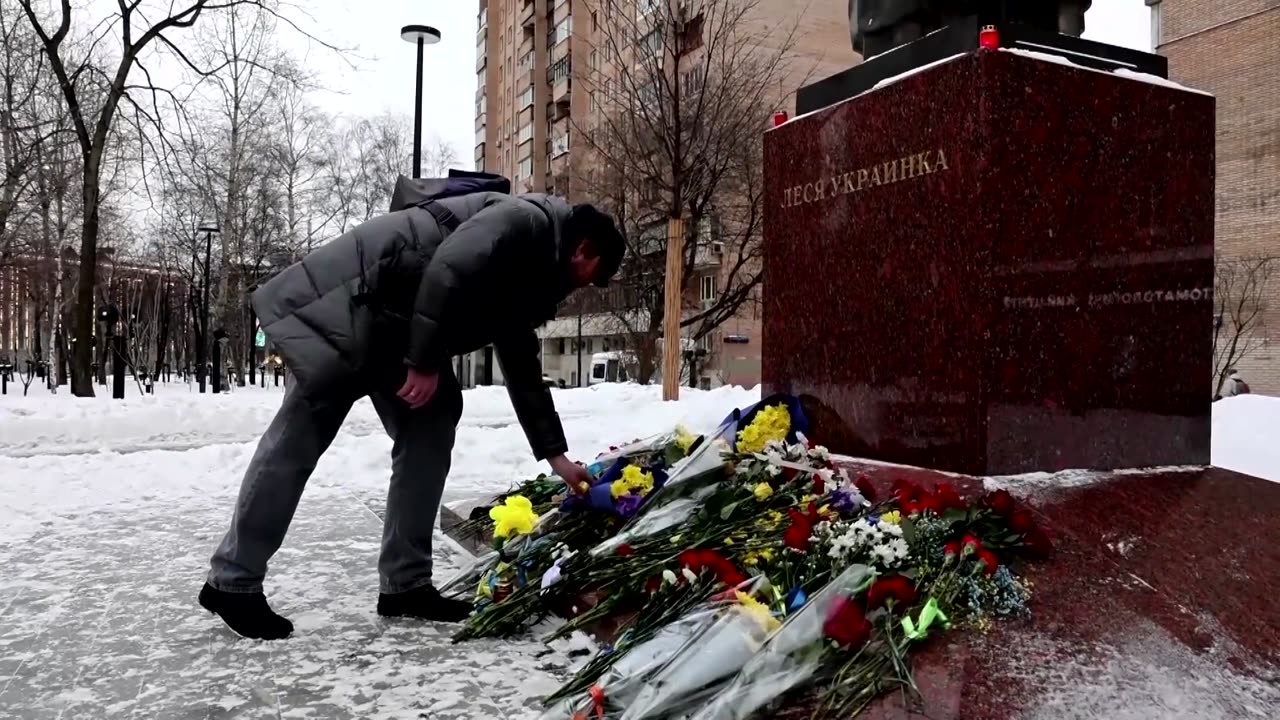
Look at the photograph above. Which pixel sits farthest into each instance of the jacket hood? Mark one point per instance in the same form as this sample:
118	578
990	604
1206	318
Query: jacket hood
558	211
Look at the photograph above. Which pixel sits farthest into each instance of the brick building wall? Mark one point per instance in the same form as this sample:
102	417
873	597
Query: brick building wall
1231	48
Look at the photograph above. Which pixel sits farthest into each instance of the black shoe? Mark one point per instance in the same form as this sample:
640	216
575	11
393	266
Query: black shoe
247	614
425	603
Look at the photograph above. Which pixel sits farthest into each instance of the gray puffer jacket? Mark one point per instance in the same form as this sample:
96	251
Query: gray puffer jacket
396	291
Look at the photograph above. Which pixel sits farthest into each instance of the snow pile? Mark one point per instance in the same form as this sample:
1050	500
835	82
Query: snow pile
1244	435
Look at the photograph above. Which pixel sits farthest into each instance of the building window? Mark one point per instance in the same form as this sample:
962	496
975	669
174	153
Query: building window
1157	29
595	21
526	98
652	41
708	288
560	144
559	346
561	31
526	168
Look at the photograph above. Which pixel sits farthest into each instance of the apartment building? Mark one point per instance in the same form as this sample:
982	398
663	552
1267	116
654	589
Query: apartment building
534	63
1232	49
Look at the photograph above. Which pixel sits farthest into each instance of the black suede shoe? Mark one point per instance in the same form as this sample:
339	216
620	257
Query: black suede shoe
424	603
247	614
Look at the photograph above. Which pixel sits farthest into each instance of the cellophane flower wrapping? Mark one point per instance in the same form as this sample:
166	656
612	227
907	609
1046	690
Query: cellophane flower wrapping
701	667
689	482
624	679
464	582
792	657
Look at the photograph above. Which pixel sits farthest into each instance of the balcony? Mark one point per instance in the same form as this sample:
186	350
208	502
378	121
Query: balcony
480	133
481	120
526	14
481	61
562	89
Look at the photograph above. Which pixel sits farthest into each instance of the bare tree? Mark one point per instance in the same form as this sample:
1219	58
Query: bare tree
681	92
368	155
93	97
1239	295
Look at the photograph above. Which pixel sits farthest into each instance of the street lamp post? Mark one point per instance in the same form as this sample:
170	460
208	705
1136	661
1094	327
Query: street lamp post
422	36
209	229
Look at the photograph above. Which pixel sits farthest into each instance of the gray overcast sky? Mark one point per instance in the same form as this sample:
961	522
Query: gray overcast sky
386	74
383	78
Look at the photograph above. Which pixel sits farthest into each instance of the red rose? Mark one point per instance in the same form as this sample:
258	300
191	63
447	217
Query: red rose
653	584
904	490
909	507
691	559
846	624
951	548
930	503
819	485
988	558
891	587
863	483
797	535
625	550
789	473
1022	522
1000	502
1038	544
948	498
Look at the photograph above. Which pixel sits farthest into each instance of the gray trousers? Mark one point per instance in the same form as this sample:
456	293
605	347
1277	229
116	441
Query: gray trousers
302	430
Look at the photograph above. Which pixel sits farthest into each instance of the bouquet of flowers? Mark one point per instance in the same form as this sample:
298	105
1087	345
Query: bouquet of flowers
510	584
745	569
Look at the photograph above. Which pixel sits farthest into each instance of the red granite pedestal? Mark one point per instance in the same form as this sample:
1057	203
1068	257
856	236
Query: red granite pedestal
999	264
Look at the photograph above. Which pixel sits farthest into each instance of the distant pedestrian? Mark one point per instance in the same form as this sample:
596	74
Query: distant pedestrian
1234	385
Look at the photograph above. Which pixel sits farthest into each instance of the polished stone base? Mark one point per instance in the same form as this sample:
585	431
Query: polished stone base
1158	603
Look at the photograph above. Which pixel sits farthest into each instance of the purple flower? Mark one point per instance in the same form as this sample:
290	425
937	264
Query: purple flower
628	504
842	500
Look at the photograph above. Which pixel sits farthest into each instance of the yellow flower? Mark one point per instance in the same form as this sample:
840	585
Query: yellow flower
893	518
684	438
770	424
634	480
513	517
763	491
757	611
728	541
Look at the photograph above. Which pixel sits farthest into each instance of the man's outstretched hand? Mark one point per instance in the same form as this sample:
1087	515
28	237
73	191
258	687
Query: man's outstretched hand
573	474
419	387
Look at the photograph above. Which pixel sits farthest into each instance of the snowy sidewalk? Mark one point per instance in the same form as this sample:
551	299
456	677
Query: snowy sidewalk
99	620
107	523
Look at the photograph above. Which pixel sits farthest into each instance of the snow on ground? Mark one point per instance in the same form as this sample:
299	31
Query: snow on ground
109	510
1244	435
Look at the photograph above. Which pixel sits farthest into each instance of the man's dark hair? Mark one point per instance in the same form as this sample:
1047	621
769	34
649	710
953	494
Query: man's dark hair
587	223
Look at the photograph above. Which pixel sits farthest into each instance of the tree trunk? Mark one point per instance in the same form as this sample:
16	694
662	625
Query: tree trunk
162	337
82	359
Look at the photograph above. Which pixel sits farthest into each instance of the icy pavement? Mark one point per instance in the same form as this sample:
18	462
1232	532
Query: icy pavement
105	537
